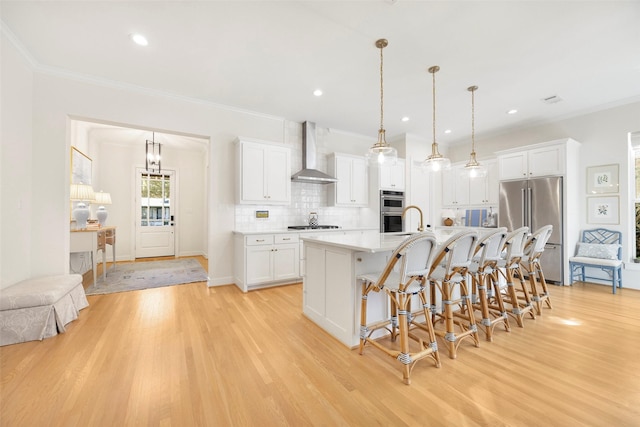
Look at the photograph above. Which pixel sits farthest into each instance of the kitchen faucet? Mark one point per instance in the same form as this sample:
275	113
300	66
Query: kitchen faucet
421	224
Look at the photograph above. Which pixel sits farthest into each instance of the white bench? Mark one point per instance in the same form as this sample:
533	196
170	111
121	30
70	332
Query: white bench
39	308
598	249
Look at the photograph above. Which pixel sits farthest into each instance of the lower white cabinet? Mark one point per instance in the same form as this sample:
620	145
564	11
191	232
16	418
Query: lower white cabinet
266	260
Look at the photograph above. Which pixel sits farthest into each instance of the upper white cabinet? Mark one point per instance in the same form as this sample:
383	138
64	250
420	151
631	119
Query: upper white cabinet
455	187
352	188
485	190
264	173
391	176
459	190
543	160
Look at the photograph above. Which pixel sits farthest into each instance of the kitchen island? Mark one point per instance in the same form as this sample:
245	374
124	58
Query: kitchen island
331	291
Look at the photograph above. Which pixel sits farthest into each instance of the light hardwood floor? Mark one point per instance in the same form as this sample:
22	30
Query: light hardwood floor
190	355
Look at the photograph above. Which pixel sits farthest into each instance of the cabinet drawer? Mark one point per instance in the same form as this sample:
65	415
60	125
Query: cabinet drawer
285	238
264	239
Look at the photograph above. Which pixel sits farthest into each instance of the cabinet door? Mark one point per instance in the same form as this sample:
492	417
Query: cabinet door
286	261
477	190
398	175
513	166
343	186
462	185
449	187
546	161
359	182
493	183
259	264
392	176
252	173
277	172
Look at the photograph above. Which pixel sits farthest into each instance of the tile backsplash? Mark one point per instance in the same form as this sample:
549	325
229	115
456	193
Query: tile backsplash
305	197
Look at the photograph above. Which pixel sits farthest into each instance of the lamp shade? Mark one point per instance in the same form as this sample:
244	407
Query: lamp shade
103	198
448	213
81	193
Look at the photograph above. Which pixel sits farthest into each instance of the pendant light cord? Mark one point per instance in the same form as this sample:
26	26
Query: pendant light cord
381	89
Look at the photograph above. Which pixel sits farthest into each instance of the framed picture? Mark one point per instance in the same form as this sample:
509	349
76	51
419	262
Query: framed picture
602	179
80	167
603	210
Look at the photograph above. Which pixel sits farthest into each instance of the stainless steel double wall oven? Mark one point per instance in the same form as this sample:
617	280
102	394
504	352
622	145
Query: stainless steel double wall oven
391	207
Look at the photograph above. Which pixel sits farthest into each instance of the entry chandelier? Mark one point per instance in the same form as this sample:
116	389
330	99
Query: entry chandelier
381	152
473	168
153	154
435	161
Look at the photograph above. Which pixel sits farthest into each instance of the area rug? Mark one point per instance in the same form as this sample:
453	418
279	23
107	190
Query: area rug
151	274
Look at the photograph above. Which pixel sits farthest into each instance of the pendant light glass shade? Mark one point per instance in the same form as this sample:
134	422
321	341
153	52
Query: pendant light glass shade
381	152
473	168
435	161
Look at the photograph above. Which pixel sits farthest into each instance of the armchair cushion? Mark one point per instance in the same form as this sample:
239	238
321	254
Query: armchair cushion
598	250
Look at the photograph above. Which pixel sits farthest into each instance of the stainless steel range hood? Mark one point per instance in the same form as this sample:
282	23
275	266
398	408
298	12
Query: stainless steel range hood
309	173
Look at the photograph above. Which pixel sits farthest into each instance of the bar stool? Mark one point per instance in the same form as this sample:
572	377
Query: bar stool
530	262
519	300
401	282
484	274
449	275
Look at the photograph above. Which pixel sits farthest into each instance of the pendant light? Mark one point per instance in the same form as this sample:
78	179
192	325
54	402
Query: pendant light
153	154
473	168
435	161
381	152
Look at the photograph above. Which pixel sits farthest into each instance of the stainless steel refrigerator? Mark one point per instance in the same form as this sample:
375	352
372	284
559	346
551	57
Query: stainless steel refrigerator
536	203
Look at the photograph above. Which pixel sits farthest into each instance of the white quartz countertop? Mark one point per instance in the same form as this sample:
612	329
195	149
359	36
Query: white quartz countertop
373	241
366	242
311	231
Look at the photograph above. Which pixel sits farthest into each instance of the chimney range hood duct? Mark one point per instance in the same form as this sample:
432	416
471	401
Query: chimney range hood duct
309	173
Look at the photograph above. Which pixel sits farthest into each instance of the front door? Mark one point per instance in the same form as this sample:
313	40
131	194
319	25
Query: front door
155	213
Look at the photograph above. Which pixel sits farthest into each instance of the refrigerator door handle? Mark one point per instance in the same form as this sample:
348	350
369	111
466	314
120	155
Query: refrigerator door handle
524	206
529	209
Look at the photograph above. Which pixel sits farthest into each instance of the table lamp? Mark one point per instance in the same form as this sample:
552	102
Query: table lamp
81	193
102	199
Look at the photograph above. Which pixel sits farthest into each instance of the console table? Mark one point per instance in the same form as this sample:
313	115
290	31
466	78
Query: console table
94	240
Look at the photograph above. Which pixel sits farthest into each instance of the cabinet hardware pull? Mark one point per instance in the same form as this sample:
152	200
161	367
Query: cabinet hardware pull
259	240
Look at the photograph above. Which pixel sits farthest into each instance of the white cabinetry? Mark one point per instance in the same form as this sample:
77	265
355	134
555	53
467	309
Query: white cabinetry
458	190
544	160
264	173
352	188
484	190
392	176
266	259
455	187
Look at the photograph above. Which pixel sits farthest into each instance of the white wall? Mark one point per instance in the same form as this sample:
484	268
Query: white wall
16	166
604	140
56	101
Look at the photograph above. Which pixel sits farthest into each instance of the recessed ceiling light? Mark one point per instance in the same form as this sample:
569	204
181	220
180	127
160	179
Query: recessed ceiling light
447	131
513	111
317	92
139	39
405	119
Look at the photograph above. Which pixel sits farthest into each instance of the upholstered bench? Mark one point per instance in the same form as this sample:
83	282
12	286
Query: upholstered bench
39	308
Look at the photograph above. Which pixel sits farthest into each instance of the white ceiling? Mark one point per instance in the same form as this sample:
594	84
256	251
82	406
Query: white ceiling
269	56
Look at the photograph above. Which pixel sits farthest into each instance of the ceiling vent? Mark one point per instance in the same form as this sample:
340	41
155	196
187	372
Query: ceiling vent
553	99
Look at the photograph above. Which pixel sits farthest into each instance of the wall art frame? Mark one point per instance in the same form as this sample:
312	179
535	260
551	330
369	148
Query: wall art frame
80	167
603	210
603	179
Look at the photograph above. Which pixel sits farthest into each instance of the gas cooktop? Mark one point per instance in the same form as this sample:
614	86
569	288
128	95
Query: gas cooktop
314	227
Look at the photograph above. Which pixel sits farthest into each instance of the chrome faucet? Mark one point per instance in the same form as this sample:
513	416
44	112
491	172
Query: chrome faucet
421	224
